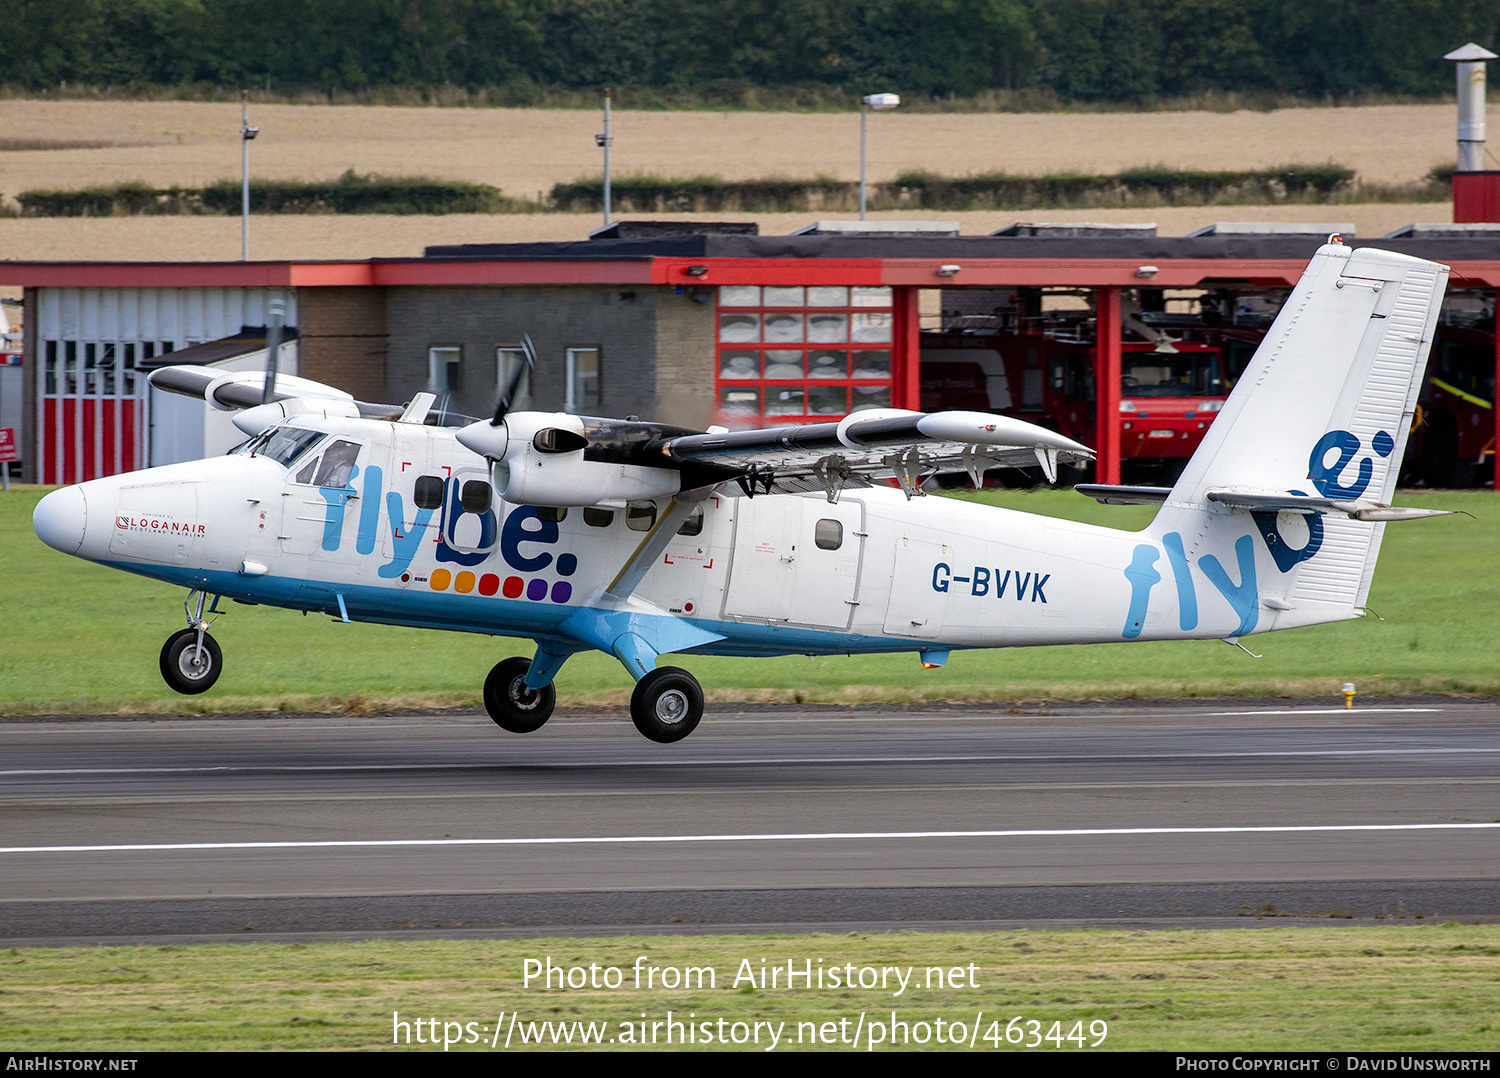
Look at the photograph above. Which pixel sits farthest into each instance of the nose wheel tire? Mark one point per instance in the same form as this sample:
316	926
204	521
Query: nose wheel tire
667	704
511	704
186	667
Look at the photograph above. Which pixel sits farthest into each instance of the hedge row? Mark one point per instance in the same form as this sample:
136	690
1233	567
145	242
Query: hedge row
1156	186
350	193
353	193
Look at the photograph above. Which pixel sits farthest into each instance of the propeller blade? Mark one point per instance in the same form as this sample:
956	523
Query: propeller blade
508	397
275	315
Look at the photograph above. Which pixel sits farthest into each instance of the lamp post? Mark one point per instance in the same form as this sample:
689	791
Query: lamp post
879	102
246	134
604	141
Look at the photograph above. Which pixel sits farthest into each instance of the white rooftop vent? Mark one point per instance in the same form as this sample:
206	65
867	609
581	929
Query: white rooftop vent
1274	228
885	229
1077	230
1446	231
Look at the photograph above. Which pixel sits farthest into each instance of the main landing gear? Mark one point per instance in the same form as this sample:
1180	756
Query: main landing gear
666	706
511	704
190	659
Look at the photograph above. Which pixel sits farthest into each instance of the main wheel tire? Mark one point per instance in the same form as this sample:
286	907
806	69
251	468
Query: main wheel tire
187	669
511	704
667	704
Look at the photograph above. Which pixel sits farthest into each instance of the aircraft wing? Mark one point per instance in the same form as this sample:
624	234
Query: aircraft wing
243	389
870	446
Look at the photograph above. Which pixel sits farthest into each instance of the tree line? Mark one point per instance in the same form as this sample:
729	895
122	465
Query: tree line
1074	50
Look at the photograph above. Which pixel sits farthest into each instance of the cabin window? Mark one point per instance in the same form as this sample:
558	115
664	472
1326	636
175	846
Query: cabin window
429	492
640	518
475	496
828	534
598	518
693	525
552	514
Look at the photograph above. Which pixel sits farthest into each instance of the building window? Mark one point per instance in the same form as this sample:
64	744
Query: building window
444	372
789	353
510	358
583	381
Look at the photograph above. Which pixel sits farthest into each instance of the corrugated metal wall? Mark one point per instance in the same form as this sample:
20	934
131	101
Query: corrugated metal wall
92	407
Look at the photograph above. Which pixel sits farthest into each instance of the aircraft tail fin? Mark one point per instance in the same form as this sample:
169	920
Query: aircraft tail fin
1323	411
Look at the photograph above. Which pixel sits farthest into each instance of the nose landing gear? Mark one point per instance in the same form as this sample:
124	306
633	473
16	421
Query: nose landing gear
190	665
190	659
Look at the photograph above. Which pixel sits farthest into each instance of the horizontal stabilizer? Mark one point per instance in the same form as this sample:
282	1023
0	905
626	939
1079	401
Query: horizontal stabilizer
1109	495
1302	503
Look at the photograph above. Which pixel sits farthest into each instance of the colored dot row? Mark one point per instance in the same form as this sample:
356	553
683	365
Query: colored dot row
489	583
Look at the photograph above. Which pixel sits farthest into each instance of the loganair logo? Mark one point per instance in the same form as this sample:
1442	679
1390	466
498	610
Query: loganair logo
1337	471
160	525
518	540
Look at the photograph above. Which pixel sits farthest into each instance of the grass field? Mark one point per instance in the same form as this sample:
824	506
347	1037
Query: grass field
1388	988
85	639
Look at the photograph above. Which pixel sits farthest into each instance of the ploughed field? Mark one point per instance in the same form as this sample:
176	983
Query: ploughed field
525	151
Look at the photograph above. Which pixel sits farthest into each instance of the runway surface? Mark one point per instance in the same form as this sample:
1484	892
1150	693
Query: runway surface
199	828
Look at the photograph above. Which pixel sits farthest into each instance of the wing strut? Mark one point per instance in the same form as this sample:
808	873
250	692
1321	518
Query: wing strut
655	542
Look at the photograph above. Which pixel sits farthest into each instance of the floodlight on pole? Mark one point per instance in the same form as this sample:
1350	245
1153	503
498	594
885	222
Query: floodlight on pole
604	140
879	102
246	134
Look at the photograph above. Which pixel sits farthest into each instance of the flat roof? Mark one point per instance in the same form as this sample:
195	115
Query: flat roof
1181	261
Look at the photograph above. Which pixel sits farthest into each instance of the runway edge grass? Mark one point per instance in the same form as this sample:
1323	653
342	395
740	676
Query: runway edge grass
84	640
1388	988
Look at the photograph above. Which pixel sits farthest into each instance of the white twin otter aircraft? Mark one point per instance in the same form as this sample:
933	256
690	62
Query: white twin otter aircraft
641	540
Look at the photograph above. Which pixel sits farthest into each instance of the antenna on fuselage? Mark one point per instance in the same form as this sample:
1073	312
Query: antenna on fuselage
275	318
509	395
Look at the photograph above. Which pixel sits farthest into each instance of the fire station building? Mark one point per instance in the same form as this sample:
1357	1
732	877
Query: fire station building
1086	328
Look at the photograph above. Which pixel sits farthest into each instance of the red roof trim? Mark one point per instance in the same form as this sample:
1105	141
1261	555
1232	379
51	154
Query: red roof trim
846	271
920	272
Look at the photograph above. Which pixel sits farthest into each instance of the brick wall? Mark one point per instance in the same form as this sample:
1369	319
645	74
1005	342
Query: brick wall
684	357
618	320
344	339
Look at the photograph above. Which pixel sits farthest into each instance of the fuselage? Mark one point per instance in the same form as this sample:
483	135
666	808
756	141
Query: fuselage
398	523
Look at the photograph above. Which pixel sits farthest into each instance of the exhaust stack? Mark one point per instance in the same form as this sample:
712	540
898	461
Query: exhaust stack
1471	75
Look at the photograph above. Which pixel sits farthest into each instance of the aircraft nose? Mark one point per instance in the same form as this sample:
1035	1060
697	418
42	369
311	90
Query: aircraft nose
60	518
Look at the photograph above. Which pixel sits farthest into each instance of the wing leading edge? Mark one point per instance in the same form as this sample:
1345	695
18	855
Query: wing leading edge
866	447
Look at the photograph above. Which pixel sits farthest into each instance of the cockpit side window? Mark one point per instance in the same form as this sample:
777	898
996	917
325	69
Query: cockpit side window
337	467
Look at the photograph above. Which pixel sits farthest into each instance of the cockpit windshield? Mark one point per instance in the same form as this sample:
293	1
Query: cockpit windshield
1166	374
281	444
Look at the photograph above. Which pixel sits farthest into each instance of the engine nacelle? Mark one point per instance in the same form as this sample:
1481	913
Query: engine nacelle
537	458
566	479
